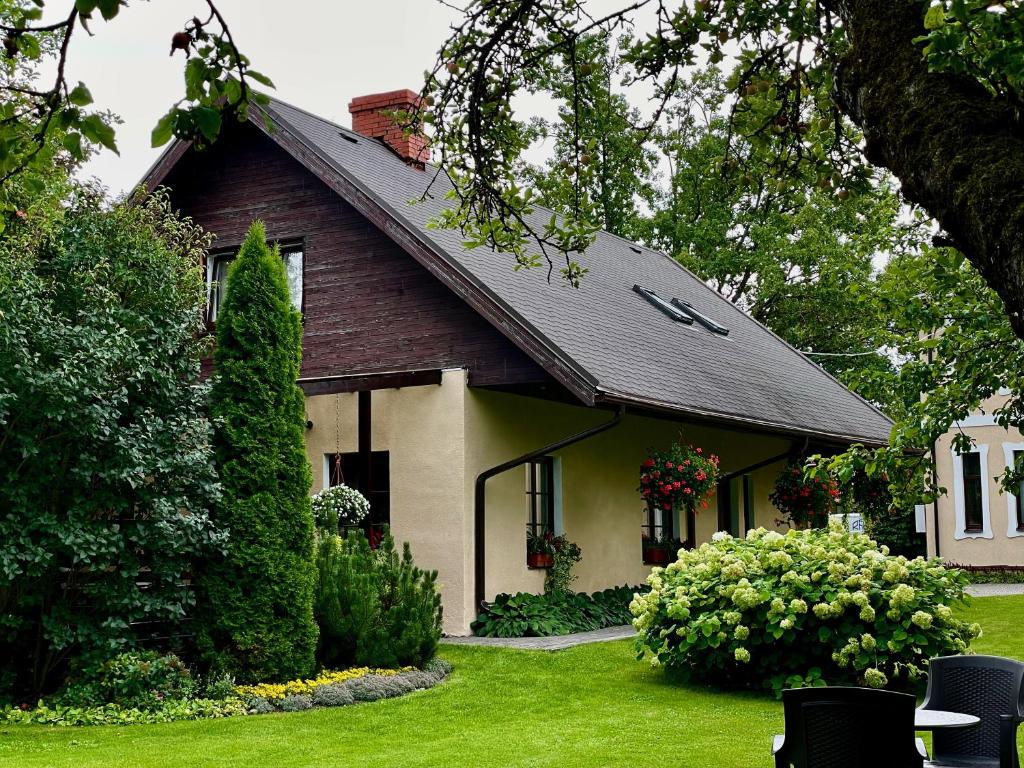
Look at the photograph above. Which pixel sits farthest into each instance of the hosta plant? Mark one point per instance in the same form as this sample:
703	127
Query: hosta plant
810	607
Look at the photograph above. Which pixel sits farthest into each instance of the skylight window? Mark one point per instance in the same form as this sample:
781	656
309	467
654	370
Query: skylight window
703	319
681	311
674	312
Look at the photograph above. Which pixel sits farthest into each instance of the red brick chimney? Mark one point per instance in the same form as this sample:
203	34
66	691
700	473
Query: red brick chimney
368	119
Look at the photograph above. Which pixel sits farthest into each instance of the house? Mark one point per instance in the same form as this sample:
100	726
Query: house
975	524
473	402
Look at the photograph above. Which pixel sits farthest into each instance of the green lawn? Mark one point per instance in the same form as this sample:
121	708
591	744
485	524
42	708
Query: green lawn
588	706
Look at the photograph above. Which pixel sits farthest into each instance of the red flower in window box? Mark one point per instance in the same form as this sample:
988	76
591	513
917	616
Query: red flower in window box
660	550
540	549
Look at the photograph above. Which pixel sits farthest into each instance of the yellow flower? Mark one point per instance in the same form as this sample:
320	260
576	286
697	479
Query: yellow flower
296	687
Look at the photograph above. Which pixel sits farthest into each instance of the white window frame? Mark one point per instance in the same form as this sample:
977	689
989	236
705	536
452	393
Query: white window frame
961	531
1011	499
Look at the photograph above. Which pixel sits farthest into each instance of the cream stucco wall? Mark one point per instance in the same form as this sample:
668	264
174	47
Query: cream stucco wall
423	430
999	543
440	437
601	509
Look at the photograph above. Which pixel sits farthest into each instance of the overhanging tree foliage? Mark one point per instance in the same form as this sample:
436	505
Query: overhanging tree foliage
106	464
256	617
798	253
37	110
938	106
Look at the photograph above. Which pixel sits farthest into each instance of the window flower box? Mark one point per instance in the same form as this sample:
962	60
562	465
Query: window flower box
539	559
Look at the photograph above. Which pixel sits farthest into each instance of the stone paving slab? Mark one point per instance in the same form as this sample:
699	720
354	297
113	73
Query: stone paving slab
994	590
547	643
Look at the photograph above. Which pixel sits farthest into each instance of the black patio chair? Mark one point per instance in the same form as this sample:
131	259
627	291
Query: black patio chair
848	728
988	687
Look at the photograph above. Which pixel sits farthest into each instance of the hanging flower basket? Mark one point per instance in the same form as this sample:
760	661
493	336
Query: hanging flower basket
339	506
804	501
682	477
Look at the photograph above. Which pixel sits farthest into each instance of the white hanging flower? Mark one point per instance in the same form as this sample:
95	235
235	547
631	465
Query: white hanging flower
347	504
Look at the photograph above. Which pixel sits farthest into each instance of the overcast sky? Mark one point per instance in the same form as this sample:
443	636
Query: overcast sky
319	53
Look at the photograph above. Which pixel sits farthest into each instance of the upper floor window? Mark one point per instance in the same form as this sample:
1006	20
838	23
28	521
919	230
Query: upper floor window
217	275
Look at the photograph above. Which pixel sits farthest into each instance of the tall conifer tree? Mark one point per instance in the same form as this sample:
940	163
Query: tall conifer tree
257	613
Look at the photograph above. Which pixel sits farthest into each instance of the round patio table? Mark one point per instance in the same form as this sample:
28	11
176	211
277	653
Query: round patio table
938	719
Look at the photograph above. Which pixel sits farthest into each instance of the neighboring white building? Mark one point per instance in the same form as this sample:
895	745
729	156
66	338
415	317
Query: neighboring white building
978	524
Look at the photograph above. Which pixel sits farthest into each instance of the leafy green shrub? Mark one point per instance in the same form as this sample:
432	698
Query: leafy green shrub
113	714
553	613
375	608
339	506
260	706
884	520
256	617
142	680
105	450
295	703
565	556
805	608
994	575
335	695
219	688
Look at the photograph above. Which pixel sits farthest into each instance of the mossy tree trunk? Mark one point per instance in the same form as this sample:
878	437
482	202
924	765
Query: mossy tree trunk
957	150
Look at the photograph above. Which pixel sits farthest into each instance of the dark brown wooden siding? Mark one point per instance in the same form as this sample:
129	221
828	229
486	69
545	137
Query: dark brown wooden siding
369	306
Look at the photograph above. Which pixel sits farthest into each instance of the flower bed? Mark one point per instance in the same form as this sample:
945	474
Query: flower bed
329	689
302	687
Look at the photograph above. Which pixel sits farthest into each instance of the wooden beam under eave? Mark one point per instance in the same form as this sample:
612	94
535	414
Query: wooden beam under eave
332	385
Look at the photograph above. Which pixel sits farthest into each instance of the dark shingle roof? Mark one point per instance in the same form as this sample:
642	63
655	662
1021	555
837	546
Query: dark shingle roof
606	331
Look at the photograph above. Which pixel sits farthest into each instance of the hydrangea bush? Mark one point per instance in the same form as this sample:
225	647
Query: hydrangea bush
810	607
339	506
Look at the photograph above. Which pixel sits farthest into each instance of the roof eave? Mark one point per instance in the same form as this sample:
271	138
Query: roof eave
733	420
